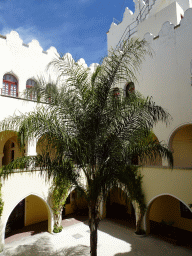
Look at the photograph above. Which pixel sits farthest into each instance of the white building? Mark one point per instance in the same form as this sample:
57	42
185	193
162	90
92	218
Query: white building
167	77
25	196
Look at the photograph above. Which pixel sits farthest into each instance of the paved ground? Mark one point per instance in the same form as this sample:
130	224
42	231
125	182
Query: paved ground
113	240
34	229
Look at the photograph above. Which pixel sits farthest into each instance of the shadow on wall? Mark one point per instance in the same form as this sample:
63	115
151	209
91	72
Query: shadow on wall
119	208
29	215
170	219
180	144
42	247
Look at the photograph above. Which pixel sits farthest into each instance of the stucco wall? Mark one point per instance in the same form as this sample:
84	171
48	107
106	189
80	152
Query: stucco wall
35	210
19	186
24	61
166	76
158	181
171	13
149	21
28	61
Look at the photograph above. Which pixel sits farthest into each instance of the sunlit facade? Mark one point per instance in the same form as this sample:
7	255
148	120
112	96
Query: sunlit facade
26	196
167	77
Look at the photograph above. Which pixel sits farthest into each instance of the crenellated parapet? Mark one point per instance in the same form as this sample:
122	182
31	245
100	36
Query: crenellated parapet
149	16
168	75
123	30
13	40
26	62
171	31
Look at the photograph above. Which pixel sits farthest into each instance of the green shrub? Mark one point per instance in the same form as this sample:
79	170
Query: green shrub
57	229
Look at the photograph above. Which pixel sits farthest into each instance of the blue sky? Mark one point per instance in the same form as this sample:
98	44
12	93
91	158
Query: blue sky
75	26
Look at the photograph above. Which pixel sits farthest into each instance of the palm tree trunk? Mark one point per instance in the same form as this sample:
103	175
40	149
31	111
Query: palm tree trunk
93	225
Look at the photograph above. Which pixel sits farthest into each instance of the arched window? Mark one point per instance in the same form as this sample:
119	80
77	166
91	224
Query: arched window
51	92
130	88
30	95
10	85
9	151
116	92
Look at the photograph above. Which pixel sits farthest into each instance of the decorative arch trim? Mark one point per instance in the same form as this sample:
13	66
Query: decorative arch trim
174	132
10	85
132	202
50	214
153	199
10	72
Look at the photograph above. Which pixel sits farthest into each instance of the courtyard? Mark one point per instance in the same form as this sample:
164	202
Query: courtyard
114	239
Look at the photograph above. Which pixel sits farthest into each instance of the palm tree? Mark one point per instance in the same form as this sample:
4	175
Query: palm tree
89	122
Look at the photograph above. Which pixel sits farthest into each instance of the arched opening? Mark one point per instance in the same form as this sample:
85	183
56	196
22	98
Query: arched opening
16	219
29	217
11	151
51	90
29	94
129	88
75	204
170	219
119	208
75	209
116	92
45	146
147	161
10	85
181	145
157	161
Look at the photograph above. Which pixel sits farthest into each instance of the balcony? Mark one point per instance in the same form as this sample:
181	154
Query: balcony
18	95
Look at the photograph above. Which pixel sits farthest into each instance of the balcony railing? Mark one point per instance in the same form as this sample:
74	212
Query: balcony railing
11	93
19	95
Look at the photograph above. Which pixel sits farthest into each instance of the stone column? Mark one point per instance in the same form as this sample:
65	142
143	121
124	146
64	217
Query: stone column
31	148
137	214
1	237
165	162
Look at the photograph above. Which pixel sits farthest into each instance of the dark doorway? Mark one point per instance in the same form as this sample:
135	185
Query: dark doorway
119	209
16	219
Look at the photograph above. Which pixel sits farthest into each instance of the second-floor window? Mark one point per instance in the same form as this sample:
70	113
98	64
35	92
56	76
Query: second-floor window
29	94
10	85
130	88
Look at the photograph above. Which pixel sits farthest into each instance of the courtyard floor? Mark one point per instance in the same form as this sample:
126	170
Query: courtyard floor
114	239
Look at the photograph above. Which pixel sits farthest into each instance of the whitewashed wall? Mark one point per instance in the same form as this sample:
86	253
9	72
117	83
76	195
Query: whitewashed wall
24	62
167	75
